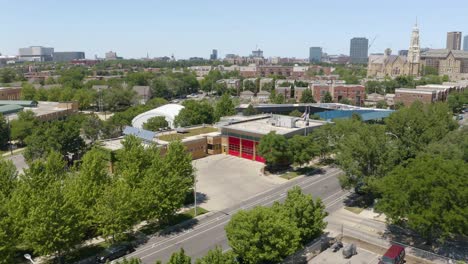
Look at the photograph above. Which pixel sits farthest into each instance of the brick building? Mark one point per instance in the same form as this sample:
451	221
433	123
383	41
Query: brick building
407	96
354	93
10	93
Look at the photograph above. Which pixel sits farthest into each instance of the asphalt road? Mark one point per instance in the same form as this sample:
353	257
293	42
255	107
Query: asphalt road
209	231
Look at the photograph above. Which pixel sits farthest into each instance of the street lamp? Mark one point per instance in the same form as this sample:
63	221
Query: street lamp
28	257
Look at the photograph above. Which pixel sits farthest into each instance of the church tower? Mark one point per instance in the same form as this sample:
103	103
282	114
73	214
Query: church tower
414	52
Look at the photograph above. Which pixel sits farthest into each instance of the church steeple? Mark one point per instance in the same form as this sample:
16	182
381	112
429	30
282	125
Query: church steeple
414	50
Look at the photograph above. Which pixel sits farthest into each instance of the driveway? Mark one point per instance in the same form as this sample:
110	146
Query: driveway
224	181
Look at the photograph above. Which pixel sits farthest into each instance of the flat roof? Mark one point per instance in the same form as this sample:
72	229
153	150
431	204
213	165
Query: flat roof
412	90
263	127
44	108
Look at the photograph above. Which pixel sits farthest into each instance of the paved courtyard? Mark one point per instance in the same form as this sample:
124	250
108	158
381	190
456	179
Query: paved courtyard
363	257
224	181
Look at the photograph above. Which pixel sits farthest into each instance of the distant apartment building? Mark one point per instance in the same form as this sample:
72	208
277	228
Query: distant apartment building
36	53
354	93
338	59
407	96
111	55
298	91
66	56
267	70
465	43
315	54
285	91
214	55
454	40
358	51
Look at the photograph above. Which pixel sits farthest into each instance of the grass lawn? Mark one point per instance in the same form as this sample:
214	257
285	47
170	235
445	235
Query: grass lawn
179	218
297	172
93	250
290	175
356	210
191	132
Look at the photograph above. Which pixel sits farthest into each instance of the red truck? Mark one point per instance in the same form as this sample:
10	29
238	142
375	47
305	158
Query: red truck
394	255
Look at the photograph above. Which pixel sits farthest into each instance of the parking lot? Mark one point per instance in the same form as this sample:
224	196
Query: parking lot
224	181
363	257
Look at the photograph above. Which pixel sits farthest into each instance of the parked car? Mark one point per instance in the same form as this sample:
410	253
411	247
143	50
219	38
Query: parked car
394	255
114	252
337	246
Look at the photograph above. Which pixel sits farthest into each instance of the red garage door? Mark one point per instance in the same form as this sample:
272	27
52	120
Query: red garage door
247	149
234	146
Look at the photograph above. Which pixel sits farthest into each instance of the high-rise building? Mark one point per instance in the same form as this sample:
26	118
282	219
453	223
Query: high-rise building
403	53
111	55
454	40
465	43
214	55
358	51
257	53
315	54
68	56
36	53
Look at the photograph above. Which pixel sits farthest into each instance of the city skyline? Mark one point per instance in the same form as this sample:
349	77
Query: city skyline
136	29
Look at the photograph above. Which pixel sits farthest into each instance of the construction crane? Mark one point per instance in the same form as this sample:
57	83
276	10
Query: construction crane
372	42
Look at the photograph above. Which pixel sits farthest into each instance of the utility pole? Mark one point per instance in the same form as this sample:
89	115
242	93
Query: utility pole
195	195
9	136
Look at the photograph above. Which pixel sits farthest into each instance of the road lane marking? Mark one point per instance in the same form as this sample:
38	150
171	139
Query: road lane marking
308	182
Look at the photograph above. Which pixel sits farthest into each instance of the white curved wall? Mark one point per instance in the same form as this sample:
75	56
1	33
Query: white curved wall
169	111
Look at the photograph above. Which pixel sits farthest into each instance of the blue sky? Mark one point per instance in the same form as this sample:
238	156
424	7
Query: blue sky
194	27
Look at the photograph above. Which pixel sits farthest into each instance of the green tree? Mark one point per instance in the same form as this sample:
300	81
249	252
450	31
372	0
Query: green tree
307	97
250	86
216	256
345	100
327	98
381	104
224	107
23	127
156	123
429	194
279	99
250	110
419	125
367	153
195	113
275	149
92	128
8	183
4	132
179	258
28	92
303	149
85	98
116	211
309	215
295	113
262	235
86	186
47	220
456	100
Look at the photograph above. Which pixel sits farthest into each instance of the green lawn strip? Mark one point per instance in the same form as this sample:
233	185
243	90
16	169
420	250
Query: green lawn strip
297	172
93	250
177	219
191	132
356	210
